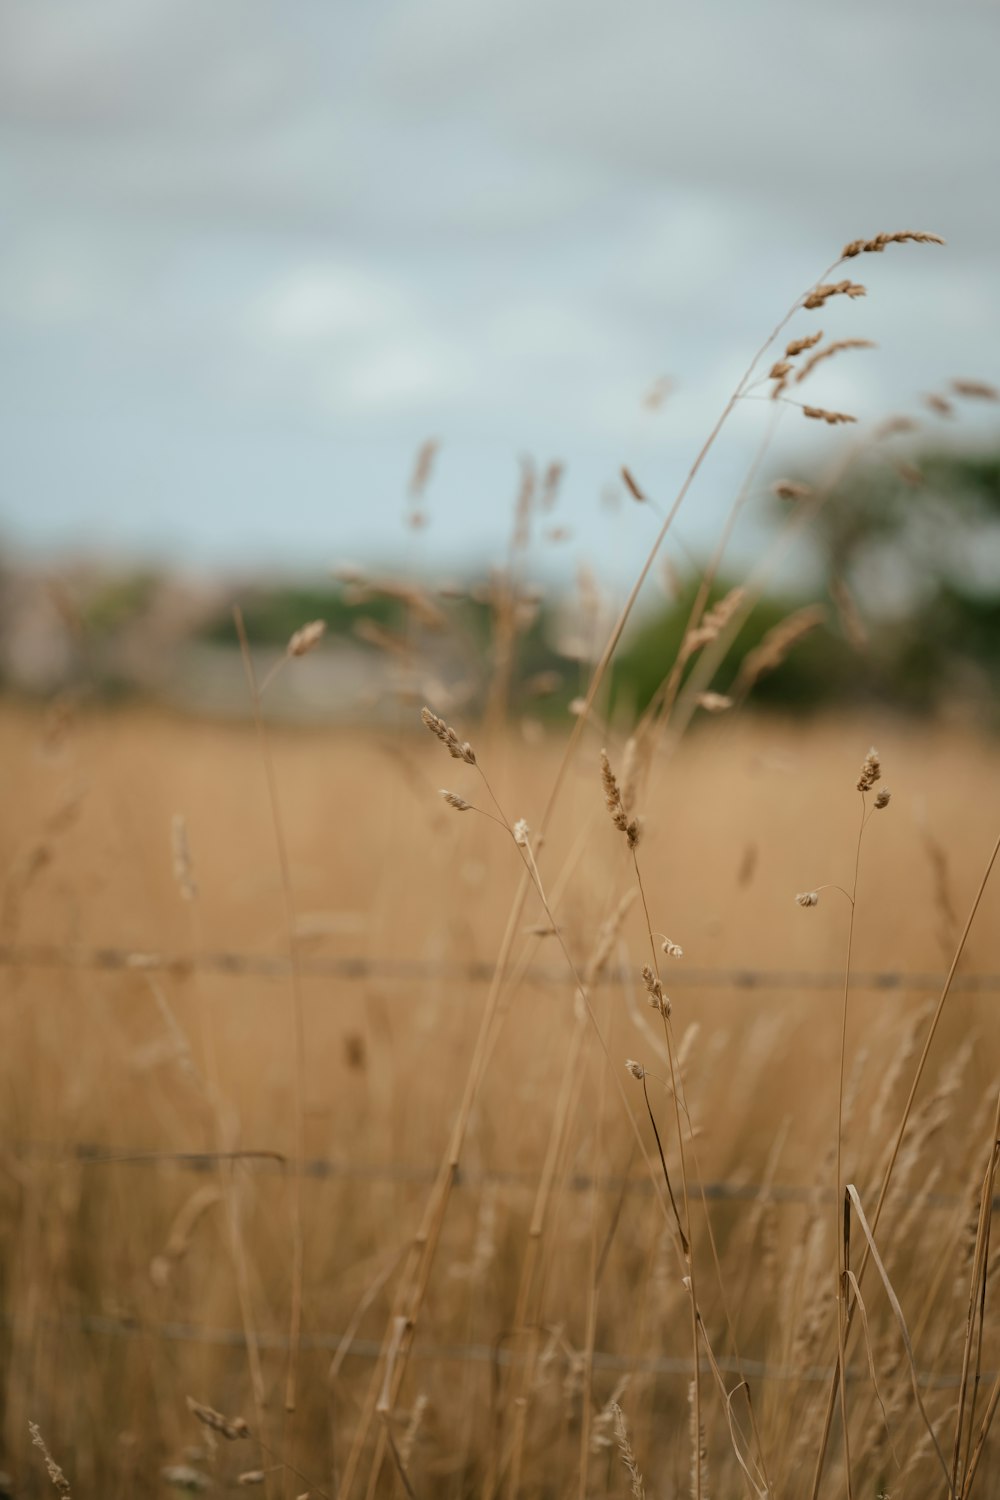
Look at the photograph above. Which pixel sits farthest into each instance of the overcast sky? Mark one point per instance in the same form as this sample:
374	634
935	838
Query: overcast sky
254	252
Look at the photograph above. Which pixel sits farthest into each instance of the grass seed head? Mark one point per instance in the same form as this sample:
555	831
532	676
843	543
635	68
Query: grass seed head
877	245
831	418
455	801
307	639
807	898
829	289
975	390
883	798
635	1068
790	489
798	346
229	1427
456	748
871	771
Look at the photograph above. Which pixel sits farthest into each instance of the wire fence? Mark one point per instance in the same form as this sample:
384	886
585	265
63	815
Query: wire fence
498	1355
357	968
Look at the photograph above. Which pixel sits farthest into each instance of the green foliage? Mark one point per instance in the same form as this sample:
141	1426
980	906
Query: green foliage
816	667
918	545
273	614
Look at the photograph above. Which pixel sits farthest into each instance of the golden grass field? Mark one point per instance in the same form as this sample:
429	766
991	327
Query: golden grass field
548	1276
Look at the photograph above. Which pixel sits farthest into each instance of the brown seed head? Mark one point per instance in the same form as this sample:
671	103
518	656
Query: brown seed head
307	638
871	771
877	245
672	950
938	404
654	990
230	1427
797	346
831	418
829	289
455	747
614	802
882	798
455	801
635	1068
837	347
56	1474
632	486
975	390
183	864
714	703
807	898
790	489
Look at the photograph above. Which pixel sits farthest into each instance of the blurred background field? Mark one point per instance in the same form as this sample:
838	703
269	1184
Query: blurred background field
119	1293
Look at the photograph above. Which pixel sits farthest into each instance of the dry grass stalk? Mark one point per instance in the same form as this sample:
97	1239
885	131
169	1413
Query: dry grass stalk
713	623
455	747
838	347
895	426
848	614
307	638
422	466
975	390
654	990
551	480
878	244
183	864
625	1449
600	1431
776	644
607	935
55	1472
826	290
714	703
871	771
615	805
831	418
791	489
231	1428
632	486
699	1448
181	1231
910	474
409	1438
799	346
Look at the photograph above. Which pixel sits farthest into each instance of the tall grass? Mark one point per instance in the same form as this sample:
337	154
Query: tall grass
581	1228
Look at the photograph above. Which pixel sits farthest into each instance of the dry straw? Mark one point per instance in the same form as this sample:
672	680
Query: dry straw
615	804
456	748
55	1472
878	244
228	1427
307	638
831	418
838	347
627	1455
826	290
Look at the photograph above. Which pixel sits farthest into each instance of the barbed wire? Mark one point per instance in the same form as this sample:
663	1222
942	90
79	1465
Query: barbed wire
498	1354
358	967
86	1153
